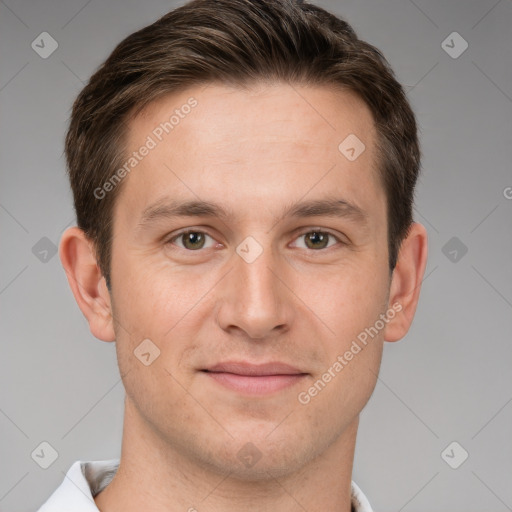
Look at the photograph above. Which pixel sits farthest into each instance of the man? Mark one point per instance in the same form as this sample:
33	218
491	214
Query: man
243	175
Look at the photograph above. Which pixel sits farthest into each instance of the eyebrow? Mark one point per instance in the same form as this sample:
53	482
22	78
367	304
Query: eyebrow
169	209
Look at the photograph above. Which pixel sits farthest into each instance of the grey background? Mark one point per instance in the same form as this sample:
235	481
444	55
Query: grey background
448	380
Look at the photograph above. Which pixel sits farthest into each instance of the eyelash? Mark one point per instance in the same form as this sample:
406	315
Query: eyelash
310	230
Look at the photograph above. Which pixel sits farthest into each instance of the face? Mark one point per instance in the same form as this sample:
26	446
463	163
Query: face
245	235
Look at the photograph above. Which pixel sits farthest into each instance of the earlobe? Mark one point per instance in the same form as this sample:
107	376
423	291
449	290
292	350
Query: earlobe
77	255
406	282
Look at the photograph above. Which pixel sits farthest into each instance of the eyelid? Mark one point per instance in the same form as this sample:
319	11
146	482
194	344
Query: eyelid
303	231
171	239
319	229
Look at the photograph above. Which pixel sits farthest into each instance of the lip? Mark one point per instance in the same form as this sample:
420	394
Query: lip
254	379
251	369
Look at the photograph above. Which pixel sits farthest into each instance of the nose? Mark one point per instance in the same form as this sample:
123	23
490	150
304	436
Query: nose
255	301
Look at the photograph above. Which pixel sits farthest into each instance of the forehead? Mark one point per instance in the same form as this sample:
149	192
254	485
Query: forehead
275	111
267	142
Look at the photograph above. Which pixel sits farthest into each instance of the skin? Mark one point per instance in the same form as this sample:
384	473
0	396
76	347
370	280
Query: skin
254	152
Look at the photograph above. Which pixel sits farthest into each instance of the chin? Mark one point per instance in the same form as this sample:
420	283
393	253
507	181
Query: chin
258	456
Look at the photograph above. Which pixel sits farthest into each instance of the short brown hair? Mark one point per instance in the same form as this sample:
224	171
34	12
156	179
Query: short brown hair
235	42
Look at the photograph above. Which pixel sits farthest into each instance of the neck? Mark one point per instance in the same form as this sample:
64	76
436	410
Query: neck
153	475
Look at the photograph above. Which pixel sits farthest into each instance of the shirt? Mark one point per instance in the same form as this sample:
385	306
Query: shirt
86	479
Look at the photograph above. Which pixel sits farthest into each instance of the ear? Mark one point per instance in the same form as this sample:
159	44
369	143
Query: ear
406	282
87	283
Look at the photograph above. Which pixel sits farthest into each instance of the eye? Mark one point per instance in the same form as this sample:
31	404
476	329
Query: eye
317	239
191	240
194	240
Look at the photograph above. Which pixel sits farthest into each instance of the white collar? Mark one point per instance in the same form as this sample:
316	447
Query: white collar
85	479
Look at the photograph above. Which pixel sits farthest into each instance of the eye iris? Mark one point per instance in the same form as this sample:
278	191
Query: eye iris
314	240
193	240
314	237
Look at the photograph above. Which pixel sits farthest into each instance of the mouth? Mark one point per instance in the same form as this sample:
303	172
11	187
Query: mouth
255	379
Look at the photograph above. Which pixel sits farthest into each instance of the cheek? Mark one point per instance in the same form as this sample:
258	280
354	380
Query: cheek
347	300
350	306
159	304
155	297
